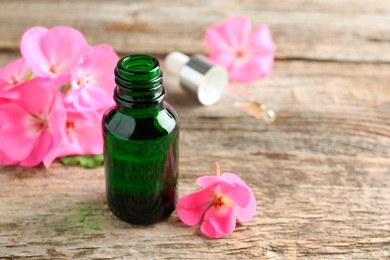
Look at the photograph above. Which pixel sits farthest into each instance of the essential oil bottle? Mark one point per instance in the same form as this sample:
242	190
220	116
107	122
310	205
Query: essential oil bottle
141	136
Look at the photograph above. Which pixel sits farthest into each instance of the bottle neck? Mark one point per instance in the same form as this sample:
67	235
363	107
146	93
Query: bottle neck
138	81
140	111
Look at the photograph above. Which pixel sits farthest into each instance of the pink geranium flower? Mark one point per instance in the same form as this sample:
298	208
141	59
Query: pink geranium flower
247	55
52	99
82	136
11	76
4	160
52	52
219	202
32	126
93	79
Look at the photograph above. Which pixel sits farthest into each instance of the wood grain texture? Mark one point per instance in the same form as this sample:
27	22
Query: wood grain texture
324	30
320	173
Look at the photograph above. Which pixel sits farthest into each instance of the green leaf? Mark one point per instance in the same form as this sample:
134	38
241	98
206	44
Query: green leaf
28	76
87	161
65	88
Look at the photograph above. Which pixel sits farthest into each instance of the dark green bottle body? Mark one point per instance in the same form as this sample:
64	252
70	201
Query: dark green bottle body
141	154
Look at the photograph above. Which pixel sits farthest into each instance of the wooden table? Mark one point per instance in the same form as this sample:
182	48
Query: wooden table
320	173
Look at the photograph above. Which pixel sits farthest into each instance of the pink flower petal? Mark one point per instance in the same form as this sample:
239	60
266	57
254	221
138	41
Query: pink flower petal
4	101
54	52
260	41
82	135
11	76
57	117
236	192
223	58
34	123
229	35
219	201
246	55
35	98
41	148
233	178
218	221
206	181
208	229
57	121
243	213
50	156
266	62
63	47
4	160
237	30
90	136
31	49
88	99
239	195
247	213
93	79
97	64
190	208
14	143
253	69
215	39
12	136
38	94
11	113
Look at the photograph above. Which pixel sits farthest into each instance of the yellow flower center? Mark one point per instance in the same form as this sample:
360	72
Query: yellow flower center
220	200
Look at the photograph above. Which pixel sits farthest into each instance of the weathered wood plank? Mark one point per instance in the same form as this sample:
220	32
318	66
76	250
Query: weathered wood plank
320	175
315	30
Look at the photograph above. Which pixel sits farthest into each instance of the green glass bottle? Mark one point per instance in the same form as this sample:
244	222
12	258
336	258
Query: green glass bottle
140	144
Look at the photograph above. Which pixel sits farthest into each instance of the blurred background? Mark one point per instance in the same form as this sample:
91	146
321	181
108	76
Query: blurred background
352	31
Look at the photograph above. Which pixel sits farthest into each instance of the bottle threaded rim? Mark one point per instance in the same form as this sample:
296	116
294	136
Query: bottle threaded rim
138	81
138	67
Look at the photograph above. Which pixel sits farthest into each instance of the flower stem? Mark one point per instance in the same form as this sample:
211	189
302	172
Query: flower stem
217	169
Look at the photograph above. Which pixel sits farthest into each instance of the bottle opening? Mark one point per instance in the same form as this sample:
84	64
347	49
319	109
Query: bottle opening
139	67
138	81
